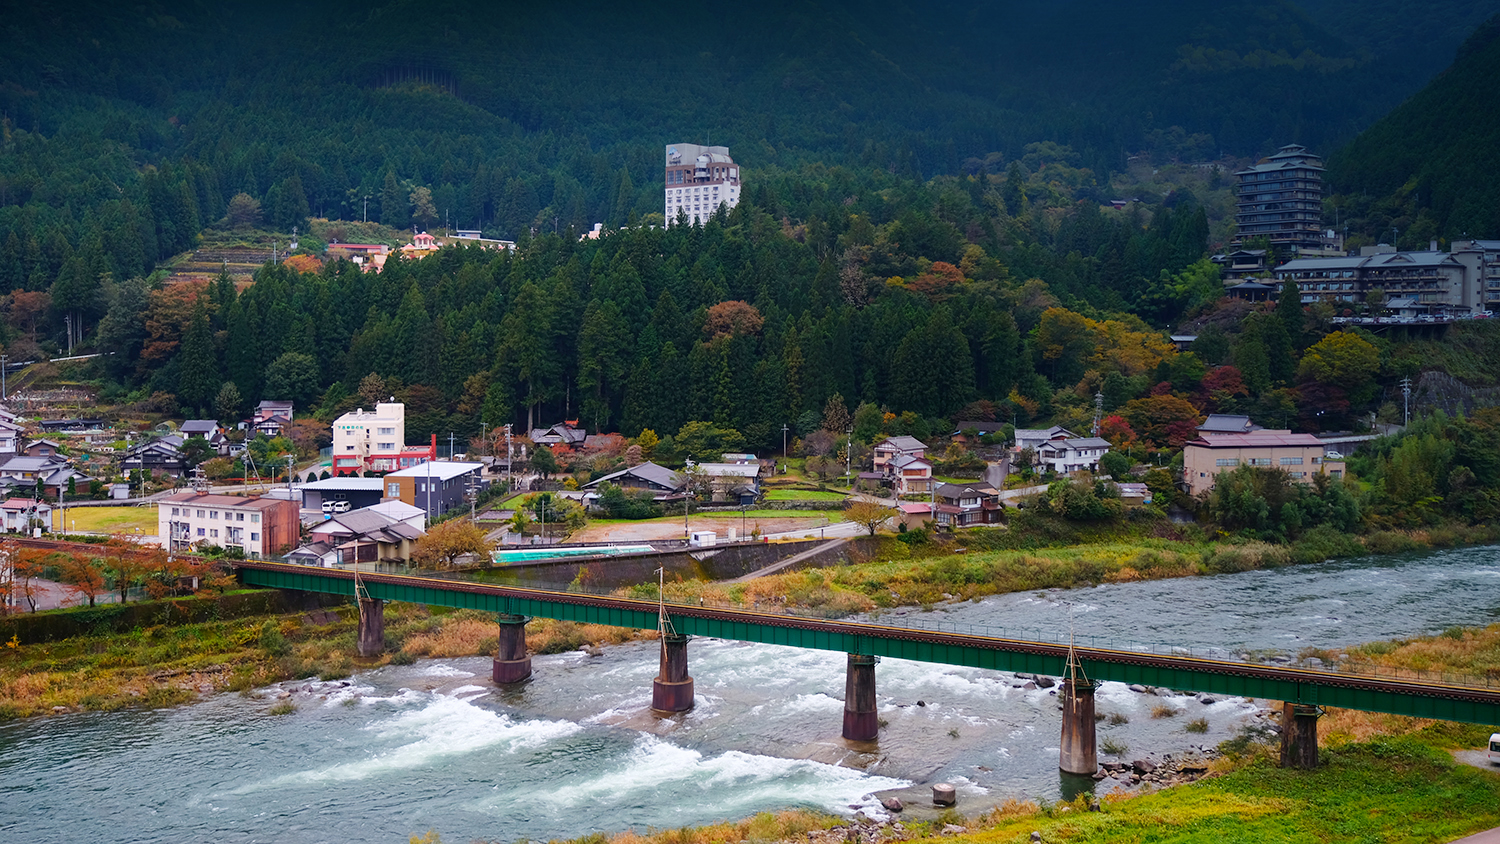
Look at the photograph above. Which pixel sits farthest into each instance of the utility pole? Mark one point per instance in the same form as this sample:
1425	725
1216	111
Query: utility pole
849	458
289	460
509	485
367	209
1406	400
450	445
4	367
1098	409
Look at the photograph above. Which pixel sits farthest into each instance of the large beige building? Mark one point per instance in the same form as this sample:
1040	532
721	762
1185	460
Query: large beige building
1299	455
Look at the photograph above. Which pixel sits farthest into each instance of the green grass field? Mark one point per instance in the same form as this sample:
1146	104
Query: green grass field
803	495
106	520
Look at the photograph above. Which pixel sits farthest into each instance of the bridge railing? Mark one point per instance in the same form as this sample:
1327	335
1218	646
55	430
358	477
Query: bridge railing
889	618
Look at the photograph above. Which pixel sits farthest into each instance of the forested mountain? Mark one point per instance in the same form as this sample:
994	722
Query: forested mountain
1431	168
556	114
921	231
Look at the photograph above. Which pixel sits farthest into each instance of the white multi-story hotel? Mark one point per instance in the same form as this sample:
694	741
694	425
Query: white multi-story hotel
699	179
369	439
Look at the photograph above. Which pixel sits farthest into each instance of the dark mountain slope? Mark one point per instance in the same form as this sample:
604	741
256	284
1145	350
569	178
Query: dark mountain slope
1432	167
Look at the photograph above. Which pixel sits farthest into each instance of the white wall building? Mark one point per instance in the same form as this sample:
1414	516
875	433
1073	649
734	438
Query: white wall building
1073	455
698	180
258	526
364	438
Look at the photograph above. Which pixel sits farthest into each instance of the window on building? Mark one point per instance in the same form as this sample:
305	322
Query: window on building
174	511
213	514
1227	461
386	432
254	537
214	533
200	531
1260	461
200	514
255	517
393	490
239	517
1291	461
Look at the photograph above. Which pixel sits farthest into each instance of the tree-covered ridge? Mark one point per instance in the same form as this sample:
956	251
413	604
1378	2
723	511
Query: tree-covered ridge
1431	168
556	116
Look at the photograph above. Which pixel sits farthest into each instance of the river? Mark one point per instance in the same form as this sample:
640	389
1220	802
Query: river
403	749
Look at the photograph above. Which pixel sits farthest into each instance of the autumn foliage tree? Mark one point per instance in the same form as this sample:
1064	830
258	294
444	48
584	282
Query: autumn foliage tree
445	543
939	280
733	319
1162	420
1118	431
81	574
869	515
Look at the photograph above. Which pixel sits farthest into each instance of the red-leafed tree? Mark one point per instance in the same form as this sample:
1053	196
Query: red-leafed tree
1222	389
1162	420
940	279
1118	431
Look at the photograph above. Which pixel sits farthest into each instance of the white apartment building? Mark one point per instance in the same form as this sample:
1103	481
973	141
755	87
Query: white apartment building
369	439
699	179
258	526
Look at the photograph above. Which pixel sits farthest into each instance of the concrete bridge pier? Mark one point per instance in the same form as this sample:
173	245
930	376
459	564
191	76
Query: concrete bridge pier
1079	752
861	723
1299	736
512	664
371	627
672	690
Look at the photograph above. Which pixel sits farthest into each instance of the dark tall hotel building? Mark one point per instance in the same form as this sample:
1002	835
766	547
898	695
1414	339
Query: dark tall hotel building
1281	198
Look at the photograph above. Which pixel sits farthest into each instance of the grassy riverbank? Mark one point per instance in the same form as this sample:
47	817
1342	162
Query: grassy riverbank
163	665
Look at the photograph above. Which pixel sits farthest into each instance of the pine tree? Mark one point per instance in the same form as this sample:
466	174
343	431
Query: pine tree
393	210
227	403
603	345
197	371
1289	311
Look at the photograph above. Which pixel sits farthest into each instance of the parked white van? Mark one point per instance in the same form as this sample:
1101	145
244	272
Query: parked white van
1494	756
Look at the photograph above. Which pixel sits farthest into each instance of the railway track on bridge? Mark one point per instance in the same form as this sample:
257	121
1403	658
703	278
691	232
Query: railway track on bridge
1465	702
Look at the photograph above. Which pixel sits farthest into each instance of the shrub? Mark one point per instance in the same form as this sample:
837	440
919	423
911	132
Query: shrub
1161	710
1114	748
285	707
1197	725
272	641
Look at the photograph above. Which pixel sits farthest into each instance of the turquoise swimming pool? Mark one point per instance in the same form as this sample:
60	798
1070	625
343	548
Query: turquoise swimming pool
549	553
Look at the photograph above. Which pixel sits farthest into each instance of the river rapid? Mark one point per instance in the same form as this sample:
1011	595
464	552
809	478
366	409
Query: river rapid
403	749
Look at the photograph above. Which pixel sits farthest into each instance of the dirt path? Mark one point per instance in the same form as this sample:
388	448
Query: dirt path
673	529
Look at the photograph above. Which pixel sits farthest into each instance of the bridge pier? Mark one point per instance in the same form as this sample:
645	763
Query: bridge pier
371	627
1079	752
672	690
512	664
1299	736
861	723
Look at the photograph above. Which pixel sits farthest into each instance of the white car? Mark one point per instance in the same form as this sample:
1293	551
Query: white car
1494	755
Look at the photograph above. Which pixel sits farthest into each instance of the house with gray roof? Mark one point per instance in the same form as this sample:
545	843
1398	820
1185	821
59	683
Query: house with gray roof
1227	423
359	536
660	480
893	447
1080	454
